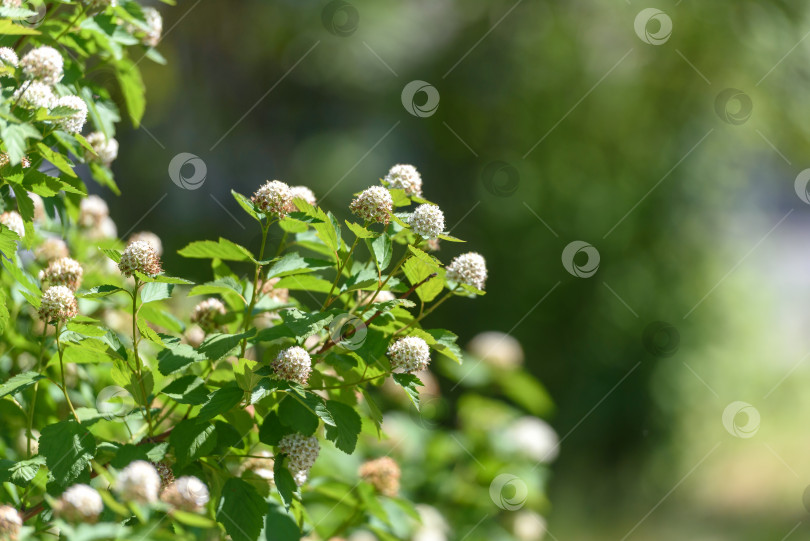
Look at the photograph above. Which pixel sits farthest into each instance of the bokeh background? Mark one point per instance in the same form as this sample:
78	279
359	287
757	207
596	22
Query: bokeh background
557	122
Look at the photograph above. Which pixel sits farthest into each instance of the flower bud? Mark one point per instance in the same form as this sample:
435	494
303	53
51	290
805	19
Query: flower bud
139	256
139	482
80	503
58	304
62	272
405	177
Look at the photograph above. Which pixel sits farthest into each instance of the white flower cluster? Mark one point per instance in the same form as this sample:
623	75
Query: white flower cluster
383	473
187	493
92	210
106	149
34	95
63	272
151	238
293	364
154	22
13	221
273	198
497	349
43	64
10	523
8	57
74	122
205	314
279	294
405	177
138	482
58	304
373	205
301	451
469	268
51	248
427	221
263	467
139	256
409	354
302	192
80	503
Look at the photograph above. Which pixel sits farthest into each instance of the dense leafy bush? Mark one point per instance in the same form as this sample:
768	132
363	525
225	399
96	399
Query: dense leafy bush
133	409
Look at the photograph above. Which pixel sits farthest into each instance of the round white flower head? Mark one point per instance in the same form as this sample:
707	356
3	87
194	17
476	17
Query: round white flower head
139	256
58	304
409	354
528	526
10	523
34	95
106	149
498	349
427	221
533	438
92	210
205	314
187	493
149	237
274	197
365	297
405	177
105	229
13	221
293	364
263	467
80	503
8	56
373	205
278	294
139	482
302	192
301	451
52	248
75	122
154	22
39	206
43	64
383	474
469	268
63	272
22	435
195	336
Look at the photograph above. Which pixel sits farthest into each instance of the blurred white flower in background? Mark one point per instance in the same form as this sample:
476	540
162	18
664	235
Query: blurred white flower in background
528	526
433	527
532	437
497	349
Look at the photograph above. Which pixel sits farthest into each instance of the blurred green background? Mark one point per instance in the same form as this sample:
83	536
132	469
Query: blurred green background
617	135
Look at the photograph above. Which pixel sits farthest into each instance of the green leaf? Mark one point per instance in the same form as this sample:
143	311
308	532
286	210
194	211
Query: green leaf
221	249
305	282
68	448
195	520
155	291
221	286
133	90
279	526
304	325
187	390
327	229
241	510
374	411
382	249
293	263
20	473
8	242
4	315
220	401
217	345
247	205
176	356
272	430
359	231
9	28
14	137
284	482
20	382
303	413
115	255
192	440
99	291
445	343
416	270
451	238
409	382
152	452
347	426
58	160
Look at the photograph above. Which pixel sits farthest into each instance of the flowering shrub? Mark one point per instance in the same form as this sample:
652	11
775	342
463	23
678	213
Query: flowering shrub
129	412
